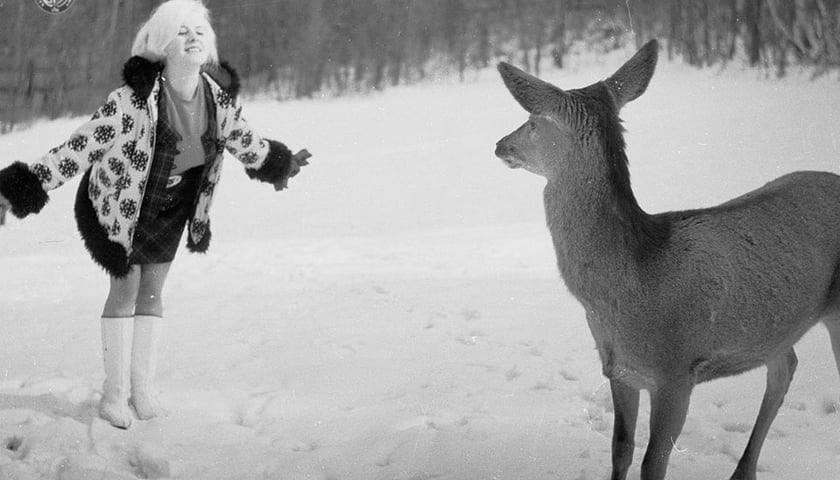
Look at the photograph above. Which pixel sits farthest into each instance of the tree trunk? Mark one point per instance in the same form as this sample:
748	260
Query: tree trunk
308	62
113	44
558	33
733	33
675	23
753	18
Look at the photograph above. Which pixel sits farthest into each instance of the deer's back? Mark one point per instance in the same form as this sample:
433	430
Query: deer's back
736	284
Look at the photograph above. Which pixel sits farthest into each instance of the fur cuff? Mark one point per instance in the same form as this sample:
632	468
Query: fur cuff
277	165
202	245
23	189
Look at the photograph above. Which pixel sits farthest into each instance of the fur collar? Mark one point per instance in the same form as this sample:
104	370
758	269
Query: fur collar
140	74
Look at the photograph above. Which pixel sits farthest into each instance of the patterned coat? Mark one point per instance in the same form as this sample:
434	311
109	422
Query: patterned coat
115	148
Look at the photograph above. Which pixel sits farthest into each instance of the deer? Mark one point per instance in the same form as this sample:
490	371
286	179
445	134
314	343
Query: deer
678	298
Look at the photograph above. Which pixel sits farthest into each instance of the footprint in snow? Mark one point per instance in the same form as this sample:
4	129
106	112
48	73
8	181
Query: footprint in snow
470	338
147	464
251	411
295	445
433	421
736	427
831	406
542	385
434	318
12	446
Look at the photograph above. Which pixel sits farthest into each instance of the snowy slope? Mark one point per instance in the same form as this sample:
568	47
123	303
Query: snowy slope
396	313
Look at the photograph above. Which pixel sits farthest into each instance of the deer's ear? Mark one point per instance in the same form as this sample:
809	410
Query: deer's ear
536	96
631	80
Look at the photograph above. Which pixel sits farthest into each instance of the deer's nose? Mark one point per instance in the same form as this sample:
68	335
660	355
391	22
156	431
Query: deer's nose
503	149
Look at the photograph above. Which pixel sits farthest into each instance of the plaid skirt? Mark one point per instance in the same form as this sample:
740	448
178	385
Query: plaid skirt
156	238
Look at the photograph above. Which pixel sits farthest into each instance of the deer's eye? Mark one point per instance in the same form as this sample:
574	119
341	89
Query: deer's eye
532	129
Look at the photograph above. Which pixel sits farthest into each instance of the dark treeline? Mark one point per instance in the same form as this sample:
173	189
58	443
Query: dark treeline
56	64
772	34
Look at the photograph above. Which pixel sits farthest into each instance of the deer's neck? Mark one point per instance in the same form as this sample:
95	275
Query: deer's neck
601	236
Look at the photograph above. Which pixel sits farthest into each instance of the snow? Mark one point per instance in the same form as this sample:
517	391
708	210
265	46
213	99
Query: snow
396	314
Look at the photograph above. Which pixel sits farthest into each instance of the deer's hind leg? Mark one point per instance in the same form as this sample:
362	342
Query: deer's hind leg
833	327
626	406
779	374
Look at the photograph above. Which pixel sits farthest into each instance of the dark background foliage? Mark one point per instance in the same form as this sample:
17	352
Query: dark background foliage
52	65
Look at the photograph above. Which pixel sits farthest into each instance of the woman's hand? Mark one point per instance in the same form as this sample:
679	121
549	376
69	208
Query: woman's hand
298	160
4	205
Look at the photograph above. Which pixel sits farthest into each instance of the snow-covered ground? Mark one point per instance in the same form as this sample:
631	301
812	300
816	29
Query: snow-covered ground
396	314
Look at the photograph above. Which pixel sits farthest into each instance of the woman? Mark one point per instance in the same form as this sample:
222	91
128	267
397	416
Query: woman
150	158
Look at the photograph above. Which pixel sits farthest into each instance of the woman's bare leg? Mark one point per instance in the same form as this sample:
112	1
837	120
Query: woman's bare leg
122	296
152	278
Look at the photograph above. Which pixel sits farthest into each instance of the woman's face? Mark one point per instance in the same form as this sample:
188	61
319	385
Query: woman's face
189	48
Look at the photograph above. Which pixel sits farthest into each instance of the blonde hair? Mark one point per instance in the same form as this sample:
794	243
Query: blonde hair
163	25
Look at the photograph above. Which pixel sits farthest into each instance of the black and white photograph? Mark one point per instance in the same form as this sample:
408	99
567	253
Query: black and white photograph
419	239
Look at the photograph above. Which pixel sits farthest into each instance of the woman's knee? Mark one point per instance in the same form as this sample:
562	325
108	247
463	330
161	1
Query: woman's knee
152	278
122	295
149	302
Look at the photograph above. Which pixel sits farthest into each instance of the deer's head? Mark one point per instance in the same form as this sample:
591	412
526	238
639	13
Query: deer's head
576	125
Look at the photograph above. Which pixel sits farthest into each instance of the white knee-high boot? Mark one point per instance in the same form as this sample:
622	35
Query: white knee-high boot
116	354
144	356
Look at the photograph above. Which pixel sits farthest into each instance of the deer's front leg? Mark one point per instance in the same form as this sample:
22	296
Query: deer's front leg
626	405
669	406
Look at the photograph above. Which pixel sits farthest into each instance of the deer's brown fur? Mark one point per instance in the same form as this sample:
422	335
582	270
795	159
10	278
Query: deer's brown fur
676	298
